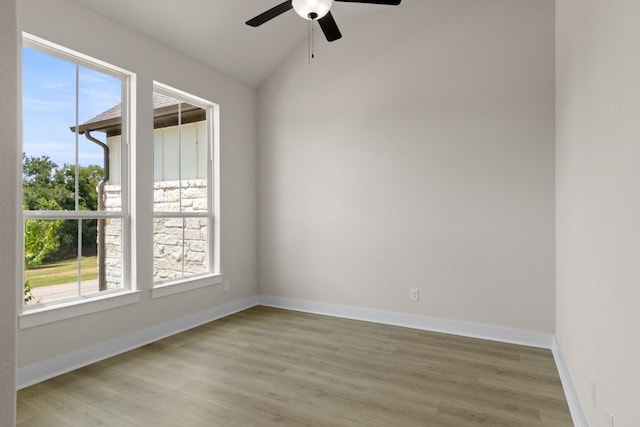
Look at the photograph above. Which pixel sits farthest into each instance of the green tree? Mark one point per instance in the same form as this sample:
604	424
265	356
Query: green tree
28	293
47	186
39	185
40	241
64	178
41	238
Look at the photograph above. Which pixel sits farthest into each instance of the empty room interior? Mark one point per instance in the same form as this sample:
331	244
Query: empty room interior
432	219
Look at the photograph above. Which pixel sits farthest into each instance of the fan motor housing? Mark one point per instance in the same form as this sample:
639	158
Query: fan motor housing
312	9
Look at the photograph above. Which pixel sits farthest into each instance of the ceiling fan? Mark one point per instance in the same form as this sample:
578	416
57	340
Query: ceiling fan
313	10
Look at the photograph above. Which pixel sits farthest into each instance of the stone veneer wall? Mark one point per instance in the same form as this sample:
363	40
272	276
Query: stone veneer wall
113	238
169	233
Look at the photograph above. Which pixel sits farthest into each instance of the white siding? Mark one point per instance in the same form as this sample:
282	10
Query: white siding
115	159
193	156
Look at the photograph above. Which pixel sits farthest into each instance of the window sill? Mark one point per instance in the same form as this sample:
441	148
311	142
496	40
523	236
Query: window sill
43	315
185	285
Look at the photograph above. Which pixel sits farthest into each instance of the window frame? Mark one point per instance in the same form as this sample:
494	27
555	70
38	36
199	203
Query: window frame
214	274
37	314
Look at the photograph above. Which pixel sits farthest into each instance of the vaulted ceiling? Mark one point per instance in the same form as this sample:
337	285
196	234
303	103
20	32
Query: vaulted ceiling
214	31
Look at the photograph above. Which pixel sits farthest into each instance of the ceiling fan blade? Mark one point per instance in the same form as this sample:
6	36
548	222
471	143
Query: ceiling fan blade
270	14
329	27
387	2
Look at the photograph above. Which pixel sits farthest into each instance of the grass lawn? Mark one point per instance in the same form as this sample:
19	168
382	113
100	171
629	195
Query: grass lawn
62	272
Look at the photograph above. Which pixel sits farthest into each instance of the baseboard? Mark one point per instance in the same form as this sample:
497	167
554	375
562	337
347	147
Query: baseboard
41	371
570	392
493	333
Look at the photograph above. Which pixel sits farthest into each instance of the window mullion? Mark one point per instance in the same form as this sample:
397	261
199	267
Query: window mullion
77	180
180	188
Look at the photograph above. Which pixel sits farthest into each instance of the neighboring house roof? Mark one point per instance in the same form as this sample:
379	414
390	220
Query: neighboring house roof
165	113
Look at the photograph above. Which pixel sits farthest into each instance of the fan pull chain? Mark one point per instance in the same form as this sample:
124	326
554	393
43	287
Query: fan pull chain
310	38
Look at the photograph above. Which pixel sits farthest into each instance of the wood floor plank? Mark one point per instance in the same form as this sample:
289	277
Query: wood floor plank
270	367
58	407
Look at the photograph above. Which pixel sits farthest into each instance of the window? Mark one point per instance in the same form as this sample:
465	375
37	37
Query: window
185	223
75	176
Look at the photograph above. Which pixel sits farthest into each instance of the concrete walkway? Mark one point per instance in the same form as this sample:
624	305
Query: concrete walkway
44	294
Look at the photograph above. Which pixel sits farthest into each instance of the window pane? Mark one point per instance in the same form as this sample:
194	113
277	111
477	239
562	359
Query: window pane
48	145
180	247
51	155
100	130
195	239
53	274
167	248
193	180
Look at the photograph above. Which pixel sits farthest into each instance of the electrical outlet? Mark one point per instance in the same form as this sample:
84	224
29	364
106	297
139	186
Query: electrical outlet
609	418
593	394
414	294
227	285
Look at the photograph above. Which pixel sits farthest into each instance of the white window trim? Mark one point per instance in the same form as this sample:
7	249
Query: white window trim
66	54
214	275
34	315
45	314
162	289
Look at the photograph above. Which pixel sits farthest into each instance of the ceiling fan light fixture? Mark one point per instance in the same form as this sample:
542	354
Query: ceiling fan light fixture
312	9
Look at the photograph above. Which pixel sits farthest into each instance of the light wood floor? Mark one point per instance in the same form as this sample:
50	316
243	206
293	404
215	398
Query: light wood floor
268	367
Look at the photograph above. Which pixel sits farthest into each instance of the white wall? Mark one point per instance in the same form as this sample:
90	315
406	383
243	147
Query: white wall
9	169
416	152
598	203
75	27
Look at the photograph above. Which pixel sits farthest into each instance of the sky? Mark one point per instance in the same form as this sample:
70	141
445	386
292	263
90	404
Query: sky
49	107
